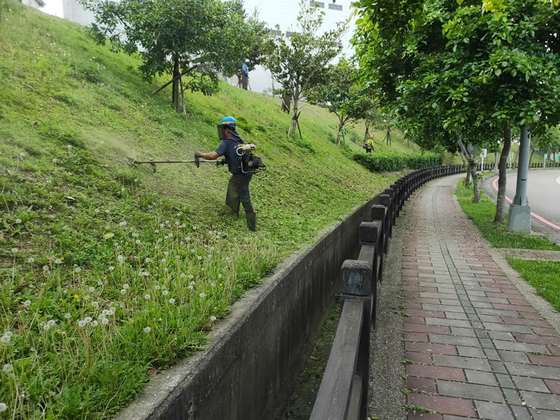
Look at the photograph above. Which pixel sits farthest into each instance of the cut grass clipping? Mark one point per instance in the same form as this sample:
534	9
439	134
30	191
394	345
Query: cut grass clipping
109	274
482	214
544	276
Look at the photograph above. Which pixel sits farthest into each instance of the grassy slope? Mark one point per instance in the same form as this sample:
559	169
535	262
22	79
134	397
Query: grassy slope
482	214
131	268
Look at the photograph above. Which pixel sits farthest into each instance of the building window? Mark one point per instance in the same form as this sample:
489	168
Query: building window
334	6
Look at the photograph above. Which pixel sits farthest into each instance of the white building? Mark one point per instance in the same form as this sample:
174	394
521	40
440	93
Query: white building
66	9
283	14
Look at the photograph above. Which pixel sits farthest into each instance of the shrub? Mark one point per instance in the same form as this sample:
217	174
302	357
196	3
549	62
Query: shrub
392	163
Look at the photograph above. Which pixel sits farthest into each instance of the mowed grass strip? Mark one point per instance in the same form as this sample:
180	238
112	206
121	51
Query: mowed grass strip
544	276
109	274
482	214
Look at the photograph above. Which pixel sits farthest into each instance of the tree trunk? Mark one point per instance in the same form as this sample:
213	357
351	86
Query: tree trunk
475	181
176	90
466	160
295	116
388	140
339	131
366	134
502	177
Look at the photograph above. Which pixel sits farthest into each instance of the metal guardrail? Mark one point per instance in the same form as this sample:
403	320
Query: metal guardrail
343	394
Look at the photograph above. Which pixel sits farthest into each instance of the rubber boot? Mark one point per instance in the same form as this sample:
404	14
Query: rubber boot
251	221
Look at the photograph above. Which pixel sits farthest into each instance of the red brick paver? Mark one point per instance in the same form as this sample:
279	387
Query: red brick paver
475	347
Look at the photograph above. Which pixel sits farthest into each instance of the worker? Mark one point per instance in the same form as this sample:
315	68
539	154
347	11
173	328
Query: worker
368	146
238	186
245	74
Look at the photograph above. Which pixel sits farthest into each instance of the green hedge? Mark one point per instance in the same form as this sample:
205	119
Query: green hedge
391	163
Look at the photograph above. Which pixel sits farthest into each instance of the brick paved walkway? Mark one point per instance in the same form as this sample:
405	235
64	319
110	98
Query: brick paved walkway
530	254
476	347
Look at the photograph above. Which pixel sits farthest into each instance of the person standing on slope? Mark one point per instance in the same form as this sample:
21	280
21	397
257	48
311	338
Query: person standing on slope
245	74
231	147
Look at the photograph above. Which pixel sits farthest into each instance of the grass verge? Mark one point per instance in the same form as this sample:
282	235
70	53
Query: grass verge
544	276
482	214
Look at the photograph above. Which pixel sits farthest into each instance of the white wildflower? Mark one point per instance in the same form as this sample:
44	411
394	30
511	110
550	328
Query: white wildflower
26	304
94	323
82	323
172	301
190	287
6	337
213	318
147	260
3	407
120	259
147	297
202	295
18	221
147	330
46	269
111	268
123	223
7	368
48	325
104	321
165	292
91	289
58	260
88	319
123	292
31	260
67	316
95	304
145	273
77	269
14	250
126	286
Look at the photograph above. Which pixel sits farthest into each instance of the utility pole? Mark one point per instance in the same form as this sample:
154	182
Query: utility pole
519	211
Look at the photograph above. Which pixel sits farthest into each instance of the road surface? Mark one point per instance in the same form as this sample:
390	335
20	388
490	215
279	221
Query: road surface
544	199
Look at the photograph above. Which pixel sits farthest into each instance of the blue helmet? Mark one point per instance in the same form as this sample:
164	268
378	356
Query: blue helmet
228	121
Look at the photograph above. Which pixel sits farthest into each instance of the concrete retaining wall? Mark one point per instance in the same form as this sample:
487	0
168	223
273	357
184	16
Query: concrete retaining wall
256	354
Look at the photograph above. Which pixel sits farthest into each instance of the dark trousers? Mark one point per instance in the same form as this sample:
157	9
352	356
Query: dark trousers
238	193
244	81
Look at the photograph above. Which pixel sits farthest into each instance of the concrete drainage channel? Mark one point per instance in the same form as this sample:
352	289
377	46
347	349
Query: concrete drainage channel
254	357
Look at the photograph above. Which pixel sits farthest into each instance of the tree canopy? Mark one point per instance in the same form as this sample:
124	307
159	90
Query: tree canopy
462	72
298	61
343	94
192	40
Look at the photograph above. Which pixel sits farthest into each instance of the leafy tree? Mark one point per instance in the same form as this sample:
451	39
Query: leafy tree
482	67
191	40
547	142
343	95
298	61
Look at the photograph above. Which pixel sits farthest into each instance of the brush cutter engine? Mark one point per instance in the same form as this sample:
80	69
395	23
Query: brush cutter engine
250	163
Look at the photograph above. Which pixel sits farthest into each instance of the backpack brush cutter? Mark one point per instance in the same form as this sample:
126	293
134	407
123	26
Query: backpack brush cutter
134	163
249	162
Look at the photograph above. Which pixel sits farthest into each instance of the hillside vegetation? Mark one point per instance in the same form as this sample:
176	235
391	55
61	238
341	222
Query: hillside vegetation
110	273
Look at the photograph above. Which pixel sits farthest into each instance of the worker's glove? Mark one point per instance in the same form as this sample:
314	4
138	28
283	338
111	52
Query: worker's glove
197	156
